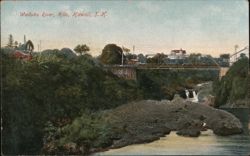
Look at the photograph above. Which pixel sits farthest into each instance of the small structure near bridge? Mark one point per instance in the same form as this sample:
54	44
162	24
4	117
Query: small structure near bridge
126	71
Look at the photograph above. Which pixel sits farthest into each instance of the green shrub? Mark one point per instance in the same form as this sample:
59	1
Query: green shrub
88	131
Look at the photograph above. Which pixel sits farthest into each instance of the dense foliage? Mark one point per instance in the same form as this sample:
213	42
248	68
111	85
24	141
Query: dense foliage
55	89
163	84
233	86
159	58
111	54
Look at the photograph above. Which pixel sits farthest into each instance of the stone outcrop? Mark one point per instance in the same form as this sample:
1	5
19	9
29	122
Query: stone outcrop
148	120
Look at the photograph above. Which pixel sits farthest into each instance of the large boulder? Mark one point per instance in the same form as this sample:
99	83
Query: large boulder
224	123
148	120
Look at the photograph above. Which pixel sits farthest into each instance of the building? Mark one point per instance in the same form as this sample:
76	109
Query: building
23	51
21	55
177	54
176	57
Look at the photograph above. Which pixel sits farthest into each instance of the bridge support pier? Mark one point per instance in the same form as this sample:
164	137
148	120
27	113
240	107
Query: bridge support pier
223	71
125	72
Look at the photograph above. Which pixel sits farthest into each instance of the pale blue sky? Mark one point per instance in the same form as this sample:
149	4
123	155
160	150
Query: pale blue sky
206	26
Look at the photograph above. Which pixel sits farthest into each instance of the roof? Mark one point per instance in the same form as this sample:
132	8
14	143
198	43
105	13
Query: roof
179	51
21	55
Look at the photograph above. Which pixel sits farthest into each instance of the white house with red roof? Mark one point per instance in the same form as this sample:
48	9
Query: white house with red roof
177	54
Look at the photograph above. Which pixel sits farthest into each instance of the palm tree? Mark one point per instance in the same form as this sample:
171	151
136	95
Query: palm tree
29	46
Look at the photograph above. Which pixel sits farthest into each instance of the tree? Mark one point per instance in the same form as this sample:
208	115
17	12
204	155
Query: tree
130	56
82	49
224	60
142	58
11	41
29	46
111	54
242	55
225	56
125	49
194	58
16	44
157	59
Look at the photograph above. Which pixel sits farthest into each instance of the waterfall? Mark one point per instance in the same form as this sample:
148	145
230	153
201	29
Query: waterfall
191	95
187	93
195	97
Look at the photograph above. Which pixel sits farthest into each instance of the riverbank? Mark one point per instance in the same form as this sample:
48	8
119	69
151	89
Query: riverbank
172	144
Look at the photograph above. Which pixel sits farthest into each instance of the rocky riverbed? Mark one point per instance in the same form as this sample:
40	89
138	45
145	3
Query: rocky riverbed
148	120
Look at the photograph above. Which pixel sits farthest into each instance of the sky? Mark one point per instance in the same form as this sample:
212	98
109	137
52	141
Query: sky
205	26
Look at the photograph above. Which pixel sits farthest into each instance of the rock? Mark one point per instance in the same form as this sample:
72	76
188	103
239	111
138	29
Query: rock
191	128
189	132
148	120
225	124
224	131
209	100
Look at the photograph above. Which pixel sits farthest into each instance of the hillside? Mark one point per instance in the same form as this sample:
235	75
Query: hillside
232	89
53	89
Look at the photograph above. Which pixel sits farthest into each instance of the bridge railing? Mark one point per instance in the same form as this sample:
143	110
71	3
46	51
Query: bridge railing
177	66
120	66
140	66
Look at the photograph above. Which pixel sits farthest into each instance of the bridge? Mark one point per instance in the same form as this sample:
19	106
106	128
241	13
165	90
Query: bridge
236	55
130	71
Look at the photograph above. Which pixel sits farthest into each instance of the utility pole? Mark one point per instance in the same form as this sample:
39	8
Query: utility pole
122	57
24	39
40	45
235	50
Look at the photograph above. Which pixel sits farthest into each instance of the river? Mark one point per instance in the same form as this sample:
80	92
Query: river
206	144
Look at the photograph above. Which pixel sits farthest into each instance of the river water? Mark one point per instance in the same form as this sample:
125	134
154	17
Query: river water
206	144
